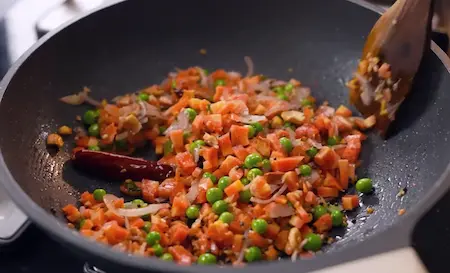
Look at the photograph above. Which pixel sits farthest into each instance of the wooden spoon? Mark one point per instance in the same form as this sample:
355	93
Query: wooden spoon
390	60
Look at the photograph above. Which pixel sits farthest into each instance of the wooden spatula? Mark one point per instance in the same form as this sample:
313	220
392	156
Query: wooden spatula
390	60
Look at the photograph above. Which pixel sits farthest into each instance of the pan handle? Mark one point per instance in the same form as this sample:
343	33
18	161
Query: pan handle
403	260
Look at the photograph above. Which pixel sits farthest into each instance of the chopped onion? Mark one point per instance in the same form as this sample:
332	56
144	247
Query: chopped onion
267	201
203	77
291	135
120	247
313	176
75	99
150	209
249	119
245	244
367	89
339	146
298	95
92	101
211	140
127	223
233	75
182	122
142	249
196	154
122	135
280	210
314	143
250	66
143	111
274	187
263	87
278	83
325	110
193	191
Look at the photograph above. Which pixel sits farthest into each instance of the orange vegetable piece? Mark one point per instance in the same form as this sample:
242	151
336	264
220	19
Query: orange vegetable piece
211	156
181	255
225	144
326	158
114	233
178	232
311	198
213	123
229	163
179	206
272	230
236	174
240	152
324	223
291	179
239	135
281	240
137	222
149	190
108	133
186	162
260	188
257	240
234	188
176	136
350	202
286	164
343	173
182	102
331	181
343	111
327	192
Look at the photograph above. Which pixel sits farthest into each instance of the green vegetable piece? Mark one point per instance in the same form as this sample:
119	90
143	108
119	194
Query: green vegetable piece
213	195
195	145
94	130
147	226
251	131
306	102
143	96
244	180
313	242
224	182
253	254
286	144
337	218
191	113
245	196
139	203
168	147
266	165
319	211
167	257
311	152
94	148
334	140
252	160
206	259
192	212
253	173
210	176
305	170
282	96
162	129
158	250
219	82
153	237
98	194
258	127
364	185
259	225
288	87
90	117
226	217
219	207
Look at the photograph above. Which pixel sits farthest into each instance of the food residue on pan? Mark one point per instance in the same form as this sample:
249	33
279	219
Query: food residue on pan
259	168
401	212
203	51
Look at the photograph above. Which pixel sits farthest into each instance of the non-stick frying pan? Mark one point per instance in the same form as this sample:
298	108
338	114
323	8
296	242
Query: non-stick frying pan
132	44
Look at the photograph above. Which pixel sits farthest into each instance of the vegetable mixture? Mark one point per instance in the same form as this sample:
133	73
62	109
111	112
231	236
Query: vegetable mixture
260	170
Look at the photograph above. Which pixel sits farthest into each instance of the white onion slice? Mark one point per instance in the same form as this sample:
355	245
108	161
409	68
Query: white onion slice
267	201
193	191
250	66
280	210
249	119
367	93
150	209
314	143
75	99
182	122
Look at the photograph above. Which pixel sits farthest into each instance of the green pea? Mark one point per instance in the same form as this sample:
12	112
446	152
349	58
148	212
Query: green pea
153	237
333	140
364	185
311	152
245	196
196	145
313	242
168	147
207	258
219	82
206	72
306	102
147	226
319	211
289	87
224	182
213	195
226	217
162	129
210	176
219	207
258	127
139	203
167	257
90	117
174	84
192	212
143	96
244	181
94	148
253	173
253	254
251	131
282	96
94	130
337	218
279	89
286	144
287	124
259	225
266	165
98	194
81	223
252	160
191	113
158	250
305	170
186	135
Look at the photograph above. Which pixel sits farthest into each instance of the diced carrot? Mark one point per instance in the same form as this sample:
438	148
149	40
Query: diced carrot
326	158
98	218
308	112
274	142
176	136
327	192
281	199
213	123
137	222
111	216
86	232
181	255
72	213
350	202
291	179
241	223
324	223
351	172
118	203
236	174
199	104
211	155
343	173
331	181
281	240
203	187
86	214
353	148
305	230
182	102
343	111
225	144
304	215
186	162
257	240
229	163
149	190
239	135
311	198
322	123
272	230
159	144
219	233
234	188
179	206
240	152
197	124
114	233
237	243
178	233
262	145
286	164
108	134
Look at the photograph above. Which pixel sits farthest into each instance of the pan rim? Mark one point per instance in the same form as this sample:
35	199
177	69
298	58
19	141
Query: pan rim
48	222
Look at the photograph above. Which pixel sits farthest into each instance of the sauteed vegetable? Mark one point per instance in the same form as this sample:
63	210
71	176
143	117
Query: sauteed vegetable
259	170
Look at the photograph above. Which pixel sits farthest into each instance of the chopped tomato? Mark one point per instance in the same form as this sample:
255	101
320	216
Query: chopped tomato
181	255
324	223
149	190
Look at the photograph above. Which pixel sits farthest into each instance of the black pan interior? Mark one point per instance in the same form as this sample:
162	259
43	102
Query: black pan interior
136	43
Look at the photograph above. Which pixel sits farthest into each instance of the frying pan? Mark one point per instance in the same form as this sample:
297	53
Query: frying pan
128	45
